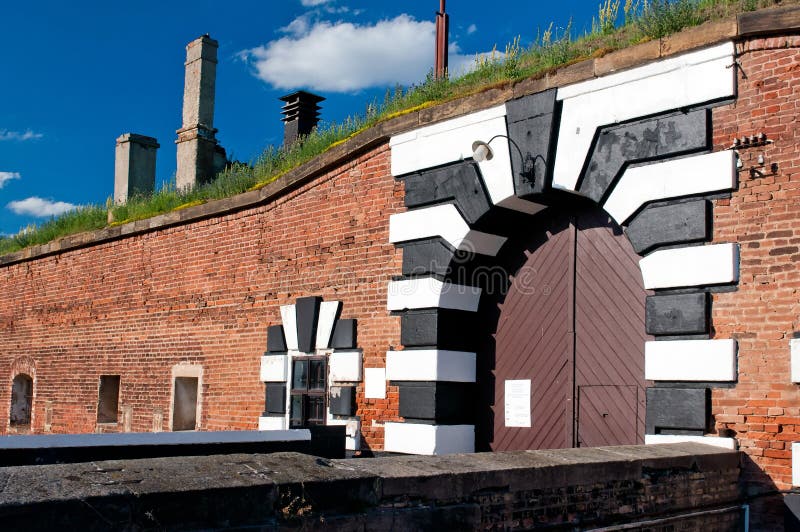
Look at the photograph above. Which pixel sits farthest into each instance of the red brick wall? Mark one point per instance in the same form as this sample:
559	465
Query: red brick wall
203	293
763	409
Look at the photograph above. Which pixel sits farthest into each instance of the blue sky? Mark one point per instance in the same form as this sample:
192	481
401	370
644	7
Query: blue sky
76	75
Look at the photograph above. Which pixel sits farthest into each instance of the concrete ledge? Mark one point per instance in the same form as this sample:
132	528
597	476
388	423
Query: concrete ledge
576	487
326	441
660	439
762	22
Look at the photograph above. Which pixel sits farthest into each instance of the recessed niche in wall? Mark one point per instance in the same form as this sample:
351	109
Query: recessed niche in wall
184	408
108	399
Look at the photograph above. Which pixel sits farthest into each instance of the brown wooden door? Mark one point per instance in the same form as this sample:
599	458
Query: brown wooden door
572	323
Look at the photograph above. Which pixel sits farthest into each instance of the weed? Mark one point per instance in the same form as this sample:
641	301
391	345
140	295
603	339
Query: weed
606	20
659	18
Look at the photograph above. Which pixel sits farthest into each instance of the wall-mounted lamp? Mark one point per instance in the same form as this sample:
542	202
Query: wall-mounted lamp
481	151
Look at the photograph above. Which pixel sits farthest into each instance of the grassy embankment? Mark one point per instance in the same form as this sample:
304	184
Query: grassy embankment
615	26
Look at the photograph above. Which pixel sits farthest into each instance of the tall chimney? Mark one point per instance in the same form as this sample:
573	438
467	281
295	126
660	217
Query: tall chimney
442	30
300	115
196	141
134	166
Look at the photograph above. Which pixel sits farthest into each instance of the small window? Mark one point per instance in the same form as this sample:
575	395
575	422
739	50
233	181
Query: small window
108	399
309	377
21	400
184	407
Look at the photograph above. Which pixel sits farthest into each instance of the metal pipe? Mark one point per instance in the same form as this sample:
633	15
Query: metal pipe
442	30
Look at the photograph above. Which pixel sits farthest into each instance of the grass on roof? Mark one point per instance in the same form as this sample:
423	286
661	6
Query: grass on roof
616	25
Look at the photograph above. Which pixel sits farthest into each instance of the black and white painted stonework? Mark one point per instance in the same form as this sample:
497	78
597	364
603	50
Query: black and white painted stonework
313	327
637	143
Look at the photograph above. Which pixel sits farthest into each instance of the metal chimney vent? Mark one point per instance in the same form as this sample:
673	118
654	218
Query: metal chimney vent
300	115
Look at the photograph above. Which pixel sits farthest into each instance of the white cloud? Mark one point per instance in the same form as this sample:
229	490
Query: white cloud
8	176
19	135
39	207
346	57
297	27
472	29
312	3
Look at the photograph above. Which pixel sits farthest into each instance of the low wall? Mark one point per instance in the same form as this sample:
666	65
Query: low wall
681	485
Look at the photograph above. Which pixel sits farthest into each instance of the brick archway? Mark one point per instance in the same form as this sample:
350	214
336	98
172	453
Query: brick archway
648	165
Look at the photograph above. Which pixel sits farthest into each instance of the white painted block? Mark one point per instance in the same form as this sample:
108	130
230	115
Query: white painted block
795	464
430	365
710	172
429	292
725	443
375	383
691	266
444	221
673	83
274	368
445	142
690	360
794	348
271	423
289	318
325	322
496	172
345	366
416	438
671	64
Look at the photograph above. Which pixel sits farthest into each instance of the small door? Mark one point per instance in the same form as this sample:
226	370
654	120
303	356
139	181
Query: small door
607	415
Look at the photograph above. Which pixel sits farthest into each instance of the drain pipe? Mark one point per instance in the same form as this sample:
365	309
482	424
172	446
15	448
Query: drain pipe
746	508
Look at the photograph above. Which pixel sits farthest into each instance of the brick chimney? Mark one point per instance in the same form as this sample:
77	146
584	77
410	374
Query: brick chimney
134	166
301	115
197	145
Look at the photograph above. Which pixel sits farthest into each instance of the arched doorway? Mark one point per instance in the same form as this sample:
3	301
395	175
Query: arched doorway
569	343
21	401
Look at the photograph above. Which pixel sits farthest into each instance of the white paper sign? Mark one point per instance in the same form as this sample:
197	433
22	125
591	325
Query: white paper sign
518	403
375	383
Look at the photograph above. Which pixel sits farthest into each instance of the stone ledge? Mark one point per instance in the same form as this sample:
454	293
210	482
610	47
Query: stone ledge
762	22
269	489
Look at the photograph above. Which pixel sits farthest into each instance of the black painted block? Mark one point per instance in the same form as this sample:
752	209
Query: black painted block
442	328
440	402
459	183
791	511
674	223
276	341
426	257
274	398
677	314
678	410
642	140
531	128
345	334
343	400
307	309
